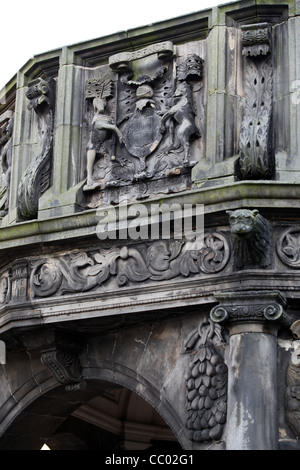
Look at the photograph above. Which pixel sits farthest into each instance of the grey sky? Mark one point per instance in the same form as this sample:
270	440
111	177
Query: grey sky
31	28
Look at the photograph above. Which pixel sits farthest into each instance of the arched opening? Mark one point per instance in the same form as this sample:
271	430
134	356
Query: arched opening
104	416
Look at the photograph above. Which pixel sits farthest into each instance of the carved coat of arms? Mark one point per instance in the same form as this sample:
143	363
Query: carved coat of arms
145	118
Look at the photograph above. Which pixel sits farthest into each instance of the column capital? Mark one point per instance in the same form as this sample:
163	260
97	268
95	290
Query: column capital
258	308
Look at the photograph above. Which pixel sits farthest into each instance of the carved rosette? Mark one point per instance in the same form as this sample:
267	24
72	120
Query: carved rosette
206	383
256	158
37	178
288	247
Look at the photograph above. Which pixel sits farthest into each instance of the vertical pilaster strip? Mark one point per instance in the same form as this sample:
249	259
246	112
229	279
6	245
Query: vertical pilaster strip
256	158
67	148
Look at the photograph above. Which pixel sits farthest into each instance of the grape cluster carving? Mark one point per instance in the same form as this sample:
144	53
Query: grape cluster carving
206	383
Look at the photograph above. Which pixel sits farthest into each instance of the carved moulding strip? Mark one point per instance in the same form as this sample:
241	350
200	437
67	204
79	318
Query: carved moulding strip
256	160
206	382
288	247
160	260
37	178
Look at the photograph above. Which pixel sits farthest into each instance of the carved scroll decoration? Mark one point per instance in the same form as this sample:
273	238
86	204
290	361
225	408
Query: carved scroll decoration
288	247
250	306
6	145
66	368
37	177
256	160
206	383
159	261
251	238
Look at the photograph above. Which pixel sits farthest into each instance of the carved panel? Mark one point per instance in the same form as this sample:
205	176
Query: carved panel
157	261
206	382
19	281
143	125
37	178
256	158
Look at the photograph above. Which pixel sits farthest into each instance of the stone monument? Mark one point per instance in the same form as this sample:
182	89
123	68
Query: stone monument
150	237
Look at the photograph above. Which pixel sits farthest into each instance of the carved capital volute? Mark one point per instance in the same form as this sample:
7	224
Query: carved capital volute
255	308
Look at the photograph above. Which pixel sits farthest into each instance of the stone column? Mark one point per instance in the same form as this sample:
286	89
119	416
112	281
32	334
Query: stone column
253	319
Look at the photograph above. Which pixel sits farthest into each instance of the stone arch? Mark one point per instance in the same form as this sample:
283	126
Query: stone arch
148	361
40	420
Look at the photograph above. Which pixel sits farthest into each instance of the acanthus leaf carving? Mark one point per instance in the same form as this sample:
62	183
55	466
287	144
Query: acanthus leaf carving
206	382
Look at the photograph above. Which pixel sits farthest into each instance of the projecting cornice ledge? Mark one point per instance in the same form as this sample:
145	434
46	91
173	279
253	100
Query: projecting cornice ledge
259	194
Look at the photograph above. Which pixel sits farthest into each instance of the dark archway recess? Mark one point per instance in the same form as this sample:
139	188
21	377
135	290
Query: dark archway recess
104	416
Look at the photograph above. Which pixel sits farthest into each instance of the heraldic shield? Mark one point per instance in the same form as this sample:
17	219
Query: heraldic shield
142	133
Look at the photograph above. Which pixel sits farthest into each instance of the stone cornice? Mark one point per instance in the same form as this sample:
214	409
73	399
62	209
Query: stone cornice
215	199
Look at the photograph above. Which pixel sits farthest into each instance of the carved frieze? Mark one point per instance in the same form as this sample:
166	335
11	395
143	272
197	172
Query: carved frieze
6	145
251	238
256	158
157	261
145	118
37	178
206	382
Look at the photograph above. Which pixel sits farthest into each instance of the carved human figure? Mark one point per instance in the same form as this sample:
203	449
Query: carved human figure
102	127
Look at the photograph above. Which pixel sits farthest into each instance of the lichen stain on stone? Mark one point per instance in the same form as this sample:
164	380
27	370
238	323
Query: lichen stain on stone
241	428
